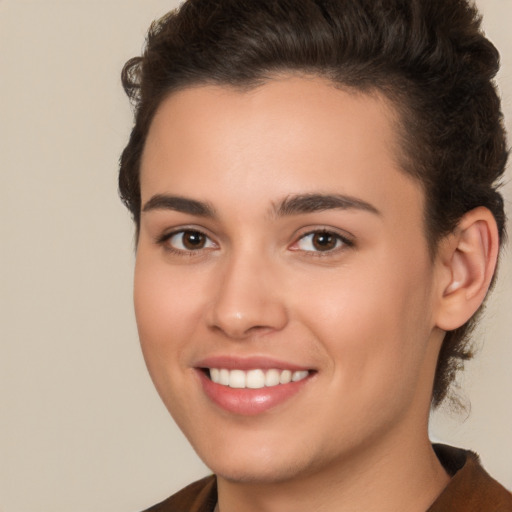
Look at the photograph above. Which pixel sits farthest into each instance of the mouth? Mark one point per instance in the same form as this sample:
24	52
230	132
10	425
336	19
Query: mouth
251	386
255	378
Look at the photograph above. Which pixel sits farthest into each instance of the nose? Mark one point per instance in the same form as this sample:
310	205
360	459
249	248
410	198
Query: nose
248	300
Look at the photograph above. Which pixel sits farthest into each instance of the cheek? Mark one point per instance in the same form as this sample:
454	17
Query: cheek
373	321
166	311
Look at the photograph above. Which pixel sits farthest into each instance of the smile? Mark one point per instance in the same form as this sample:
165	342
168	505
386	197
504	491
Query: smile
251	386
256	378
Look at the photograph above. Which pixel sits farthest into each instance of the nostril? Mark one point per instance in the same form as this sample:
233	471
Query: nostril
241	312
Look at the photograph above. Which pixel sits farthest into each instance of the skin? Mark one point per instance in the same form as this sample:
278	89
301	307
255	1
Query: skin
364	316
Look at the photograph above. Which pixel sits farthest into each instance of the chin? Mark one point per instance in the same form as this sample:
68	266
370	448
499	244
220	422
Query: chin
265	465
257	474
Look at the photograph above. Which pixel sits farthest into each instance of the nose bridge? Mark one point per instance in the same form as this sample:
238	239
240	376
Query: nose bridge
247	299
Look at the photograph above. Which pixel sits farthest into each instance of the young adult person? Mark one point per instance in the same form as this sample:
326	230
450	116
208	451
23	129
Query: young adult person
314	188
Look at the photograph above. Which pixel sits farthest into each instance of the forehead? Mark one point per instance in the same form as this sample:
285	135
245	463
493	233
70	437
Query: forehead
292	107
289	135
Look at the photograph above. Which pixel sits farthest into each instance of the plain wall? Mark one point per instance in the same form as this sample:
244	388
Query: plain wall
81	427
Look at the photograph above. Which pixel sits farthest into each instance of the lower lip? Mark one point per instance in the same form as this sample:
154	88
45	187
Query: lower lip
249	402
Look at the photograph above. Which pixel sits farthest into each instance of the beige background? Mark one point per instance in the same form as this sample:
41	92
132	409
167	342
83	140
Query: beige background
81	428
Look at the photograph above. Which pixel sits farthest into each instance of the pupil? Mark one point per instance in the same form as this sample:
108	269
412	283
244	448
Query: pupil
324	241
193	240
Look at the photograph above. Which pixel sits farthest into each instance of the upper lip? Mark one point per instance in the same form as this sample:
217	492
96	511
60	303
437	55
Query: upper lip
248	363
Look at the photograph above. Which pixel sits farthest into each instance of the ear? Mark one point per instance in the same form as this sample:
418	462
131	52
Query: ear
467	261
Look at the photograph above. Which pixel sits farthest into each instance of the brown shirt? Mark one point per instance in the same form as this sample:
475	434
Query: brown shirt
471	489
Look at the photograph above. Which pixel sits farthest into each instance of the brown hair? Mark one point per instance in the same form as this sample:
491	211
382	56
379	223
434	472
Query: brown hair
429	58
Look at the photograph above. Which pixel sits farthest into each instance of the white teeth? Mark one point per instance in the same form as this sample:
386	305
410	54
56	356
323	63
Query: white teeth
285	377
255	379
237	379
223	378
299	375
272	378
215	374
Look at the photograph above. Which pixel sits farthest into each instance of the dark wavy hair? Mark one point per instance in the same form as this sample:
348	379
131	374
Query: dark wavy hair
429	58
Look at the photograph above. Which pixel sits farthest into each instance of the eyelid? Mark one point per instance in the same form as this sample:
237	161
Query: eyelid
347	240
164	238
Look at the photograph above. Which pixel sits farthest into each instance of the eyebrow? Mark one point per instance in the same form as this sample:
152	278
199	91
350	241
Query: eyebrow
179	204
309	203
291	205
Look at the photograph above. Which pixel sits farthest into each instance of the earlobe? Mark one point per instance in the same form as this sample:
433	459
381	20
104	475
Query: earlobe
468	258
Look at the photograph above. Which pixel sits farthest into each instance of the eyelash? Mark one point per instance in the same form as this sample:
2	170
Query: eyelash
165	239
341	242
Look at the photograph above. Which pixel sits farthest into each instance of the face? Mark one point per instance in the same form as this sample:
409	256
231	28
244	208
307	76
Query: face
284	292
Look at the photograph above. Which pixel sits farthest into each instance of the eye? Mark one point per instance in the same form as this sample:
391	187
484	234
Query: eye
188	240
321	241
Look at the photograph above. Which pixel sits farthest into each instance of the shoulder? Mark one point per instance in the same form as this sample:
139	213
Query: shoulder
200	496
471	489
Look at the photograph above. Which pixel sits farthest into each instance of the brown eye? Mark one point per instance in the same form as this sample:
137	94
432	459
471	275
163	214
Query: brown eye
190	240
193	240
322	241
